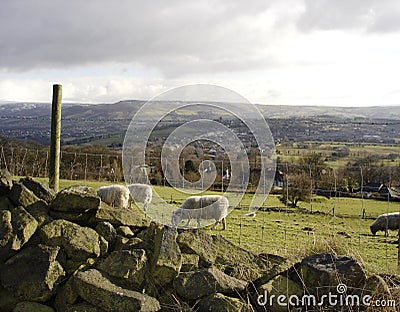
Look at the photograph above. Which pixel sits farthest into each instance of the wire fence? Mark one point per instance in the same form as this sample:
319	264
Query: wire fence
313	206
73	165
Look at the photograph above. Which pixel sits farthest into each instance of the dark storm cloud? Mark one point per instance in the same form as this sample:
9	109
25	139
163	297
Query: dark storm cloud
367	15
174	36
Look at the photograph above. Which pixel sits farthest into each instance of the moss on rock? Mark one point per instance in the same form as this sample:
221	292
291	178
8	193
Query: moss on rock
118	217
128	267
76	199
79	243
98	290
195	285
22	196
33	273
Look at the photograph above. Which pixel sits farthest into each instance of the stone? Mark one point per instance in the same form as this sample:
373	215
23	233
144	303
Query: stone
125	231
199	243
195	285
76	199
21	196
124	243
376	287
5	203
93	287
79	243
24	225
7	300
395	295
5	182
190	262
128	267
150	236
16	228
82	307
238	262
162	249
233	260
6	234
106	230
318	271
40	190
29	306
103	246
120	216
33	273
279	285
40	211
281	266
66	295
219	302
120	243
73	216
228	252
167	261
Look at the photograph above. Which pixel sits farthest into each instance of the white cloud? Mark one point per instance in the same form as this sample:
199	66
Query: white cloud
365	15
81	89
177	37
342	52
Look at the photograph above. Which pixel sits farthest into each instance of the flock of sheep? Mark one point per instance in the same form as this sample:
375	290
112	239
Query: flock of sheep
120	196
195	207
204	207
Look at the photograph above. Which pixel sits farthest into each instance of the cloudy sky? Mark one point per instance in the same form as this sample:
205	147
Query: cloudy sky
283	52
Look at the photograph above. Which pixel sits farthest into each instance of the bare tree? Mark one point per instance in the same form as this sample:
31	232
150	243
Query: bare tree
296	188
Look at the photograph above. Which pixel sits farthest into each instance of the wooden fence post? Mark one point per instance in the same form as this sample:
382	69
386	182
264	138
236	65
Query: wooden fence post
54	168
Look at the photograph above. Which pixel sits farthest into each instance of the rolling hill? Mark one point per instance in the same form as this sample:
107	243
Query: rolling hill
106	123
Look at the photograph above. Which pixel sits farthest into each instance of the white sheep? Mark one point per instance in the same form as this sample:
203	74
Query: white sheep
202	207
385	222
141	193
114	195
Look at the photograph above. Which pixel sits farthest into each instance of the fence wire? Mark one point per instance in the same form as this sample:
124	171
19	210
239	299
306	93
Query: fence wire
332	202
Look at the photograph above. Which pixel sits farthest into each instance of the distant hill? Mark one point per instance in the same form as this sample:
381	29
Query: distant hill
107	123
126	109
376	112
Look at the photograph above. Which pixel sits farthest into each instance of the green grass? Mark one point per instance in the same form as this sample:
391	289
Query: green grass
357	150
295	233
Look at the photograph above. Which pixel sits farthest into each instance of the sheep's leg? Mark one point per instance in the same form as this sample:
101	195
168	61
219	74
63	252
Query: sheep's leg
146	204
130	202
223	220
187	224
386	233
223	223
198	223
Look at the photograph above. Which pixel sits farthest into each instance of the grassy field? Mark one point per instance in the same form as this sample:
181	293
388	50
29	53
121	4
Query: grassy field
296	232
356	150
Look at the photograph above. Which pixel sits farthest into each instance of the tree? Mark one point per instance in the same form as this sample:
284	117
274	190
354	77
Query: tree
296	188
313	162
372	168
342	151
189	166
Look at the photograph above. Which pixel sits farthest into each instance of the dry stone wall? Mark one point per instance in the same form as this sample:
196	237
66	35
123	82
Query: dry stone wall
71	252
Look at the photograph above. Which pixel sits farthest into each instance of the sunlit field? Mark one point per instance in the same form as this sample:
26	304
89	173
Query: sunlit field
310	228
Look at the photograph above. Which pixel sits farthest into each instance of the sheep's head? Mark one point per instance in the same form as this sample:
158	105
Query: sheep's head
176	217
373	229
